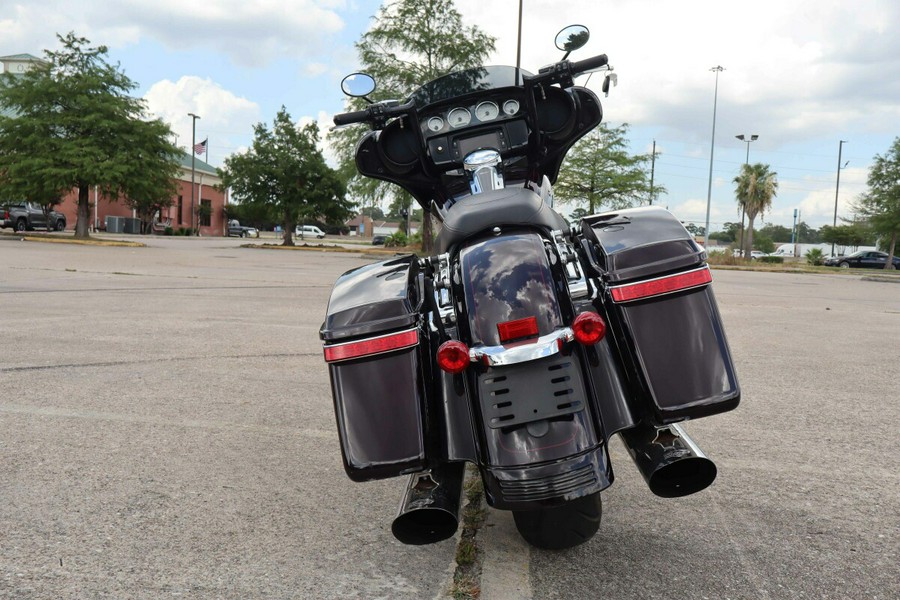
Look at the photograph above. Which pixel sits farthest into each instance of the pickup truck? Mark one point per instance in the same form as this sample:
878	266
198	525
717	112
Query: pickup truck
236	229
23	216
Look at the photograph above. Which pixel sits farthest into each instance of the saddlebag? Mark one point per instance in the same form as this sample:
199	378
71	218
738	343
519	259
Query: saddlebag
656	292
374	340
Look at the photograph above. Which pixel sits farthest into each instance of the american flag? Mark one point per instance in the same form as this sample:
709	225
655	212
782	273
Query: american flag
201	147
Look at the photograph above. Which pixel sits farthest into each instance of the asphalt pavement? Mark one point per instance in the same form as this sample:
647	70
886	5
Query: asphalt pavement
166	430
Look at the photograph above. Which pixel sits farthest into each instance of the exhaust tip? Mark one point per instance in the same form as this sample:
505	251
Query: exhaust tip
424	526
683	477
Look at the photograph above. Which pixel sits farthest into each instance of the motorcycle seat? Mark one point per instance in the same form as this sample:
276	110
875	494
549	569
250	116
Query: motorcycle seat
508	206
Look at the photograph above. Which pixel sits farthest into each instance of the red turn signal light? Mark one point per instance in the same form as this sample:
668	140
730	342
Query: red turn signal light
589	328
453	357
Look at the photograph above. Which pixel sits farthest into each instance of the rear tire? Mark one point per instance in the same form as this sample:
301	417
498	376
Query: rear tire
60	225
21	225
561	527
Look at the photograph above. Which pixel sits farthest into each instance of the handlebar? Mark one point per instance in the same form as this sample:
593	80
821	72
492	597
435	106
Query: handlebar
375	112
564	71
349	118
589	64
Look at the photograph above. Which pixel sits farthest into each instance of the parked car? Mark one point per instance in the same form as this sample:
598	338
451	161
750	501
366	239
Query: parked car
309	231
23	216
378	240
754	254
236	229
864	259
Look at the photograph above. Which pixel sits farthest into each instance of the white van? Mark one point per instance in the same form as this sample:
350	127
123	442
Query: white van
309	231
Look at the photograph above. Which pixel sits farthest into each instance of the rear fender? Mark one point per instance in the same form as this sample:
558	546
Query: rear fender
532	418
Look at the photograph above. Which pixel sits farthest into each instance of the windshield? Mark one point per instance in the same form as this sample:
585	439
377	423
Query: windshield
464	82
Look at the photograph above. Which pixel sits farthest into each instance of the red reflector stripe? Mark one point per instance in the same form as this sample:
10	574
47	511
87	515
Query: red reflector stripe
663	285
375	345
518	329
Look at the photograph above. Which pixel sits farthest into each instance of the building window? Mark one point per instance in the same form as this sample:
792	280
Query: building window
205	213
180	210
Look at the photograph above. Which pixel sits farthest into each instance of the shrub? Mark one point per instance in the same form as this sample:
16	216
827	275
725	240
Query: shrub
815	257
778	260
396	240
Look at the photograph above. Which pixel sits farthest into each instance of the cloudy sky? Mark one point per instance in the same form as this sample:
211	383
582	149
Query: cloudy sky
801	74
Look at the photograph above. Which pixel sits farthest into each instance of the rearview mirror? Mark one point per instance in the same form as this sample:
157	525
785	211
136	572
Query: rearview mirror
572	38
358	85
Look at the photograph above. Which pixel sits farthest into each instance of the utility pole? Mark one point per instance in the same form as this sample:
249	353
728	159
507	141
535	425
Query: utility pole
193	157
717	69
652	169
837	188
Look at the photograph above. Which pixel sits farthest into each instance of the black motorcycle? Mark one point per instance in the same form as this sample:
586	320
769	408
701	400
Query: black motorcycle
524	343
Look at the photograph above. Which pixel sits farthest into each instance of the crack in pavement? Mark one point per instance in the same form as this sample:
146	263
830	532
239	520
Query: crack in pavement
121	363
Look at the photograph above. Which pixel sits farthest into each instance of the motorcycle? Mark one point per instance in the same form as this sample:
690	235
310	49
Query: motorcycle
523	344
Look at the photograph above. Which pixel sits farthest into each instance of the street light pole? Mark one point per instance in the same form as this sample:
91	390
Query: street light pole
743	138
193	158
837	188
717	69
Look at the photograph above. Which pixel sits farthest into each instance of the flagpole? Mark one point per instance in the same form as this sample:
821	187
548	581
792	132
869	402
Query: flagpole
193	161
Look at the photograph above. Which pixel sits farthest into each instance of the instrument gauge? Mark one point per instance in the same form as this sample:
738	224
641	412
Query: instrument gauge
511	107
459	117
435	124
487	111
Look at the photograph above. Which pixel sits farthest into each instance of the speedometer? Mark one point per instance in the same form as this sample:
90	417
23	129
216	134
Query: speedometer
459	117
487	111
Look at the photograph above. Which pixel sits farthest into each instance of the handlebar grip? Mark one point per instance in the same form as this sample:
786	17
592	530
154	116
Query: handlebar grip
589	64
359	116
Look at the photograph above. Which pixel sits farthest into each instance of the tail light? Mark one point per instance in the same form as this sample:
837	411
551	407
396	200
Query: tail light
375	345
453	357
589	328
519	329
661	285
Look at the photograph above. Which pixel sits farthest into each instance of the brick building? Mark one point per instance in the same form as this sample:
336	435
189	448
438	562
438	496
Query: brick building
178	215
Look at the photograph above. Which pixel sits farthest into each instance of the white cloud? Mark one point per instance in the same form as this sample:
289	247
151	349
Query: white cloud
224	117
248	31
795	68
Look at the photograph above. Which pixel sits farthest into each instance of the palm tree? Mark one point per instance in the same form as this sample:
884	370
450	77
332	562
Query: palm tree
756	187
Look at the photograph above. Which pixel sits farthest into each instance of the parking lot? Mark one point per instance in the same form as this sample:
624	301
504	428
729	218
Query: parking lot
166	430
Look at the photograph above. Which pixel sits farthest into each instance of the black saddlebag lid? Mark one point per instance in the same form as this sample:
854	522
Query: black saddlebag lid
373	299
637	243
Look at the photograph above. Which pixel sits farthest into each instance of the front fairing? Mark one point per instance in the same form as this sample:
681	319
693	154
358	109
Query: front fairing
532	127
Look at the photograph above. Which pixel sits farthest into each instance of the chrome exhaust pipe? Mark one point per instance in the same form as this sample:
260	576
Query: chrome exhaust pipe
670	461
429	511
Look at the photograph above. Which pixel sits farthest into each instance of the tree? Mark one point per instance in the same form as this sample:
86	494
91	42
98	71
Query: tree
763	243
74	126
284	170
778	233
806	234
756	186
598	171
695	230
410	43
257	215
851	234
729	233
881	203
